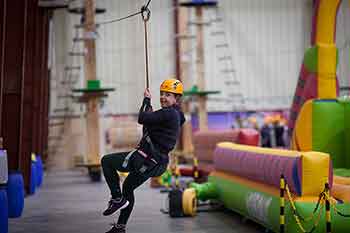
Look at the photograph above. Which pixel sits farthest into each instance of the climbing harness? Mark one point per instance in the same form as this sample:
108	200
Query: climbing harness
127	158
156	154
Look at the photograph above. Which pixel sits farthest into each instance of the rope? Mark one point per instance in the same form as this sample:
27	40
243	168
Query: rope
335	208
294	209
324	195
298	218
295	214
146	14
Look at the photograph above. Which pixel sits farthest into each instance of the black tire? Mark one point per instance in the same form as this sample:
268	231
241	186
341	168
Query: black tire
175	203
95	175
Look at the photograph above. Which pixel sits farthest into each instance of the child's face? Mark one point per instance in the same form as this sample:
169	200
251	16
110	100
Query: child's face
167	99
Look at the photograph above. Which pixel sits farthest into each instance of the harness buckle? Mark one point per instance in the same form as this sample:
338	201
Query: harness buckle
127	158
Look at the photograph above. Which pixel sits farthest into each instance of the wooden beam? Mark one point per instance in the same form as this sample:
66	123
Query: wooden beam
2	47
53	3
183	40
46	87
202	108
13	76
27	90
40	66
92	115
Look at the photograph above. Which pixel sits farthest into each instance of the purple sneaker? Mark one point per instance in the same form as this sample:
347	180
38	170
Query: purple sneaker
115	204
117	228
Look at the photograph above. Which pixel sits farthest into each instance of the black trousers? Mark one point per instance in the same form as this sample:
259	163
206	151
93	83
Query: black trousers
140	170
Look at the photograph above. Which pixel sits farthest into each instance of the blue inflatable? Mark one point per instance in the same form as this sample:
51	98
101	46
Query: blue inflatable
3	211
15	194
39	170
33	179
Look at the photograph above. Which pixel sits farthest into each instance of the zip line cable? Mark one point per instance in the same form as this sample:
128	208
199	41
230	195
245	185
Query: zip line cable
129	16
149	1
120	19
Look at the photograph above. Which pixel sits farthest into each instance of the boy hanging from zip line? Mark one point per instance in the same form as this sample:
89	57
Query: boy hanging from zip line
161	130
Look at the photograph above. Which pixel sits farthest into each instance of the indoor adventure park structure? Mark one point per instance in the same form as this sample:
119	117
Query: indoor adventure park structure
305	189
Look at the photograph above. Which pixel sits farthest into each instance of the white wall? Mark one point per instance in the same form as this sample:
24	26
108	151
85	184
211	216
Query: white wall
267	40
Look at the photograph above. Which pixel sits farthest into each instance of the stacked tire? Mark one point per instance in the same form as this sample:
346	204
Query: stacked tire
3	210
37	173
40	171
33	179
15	194
3	192
182	203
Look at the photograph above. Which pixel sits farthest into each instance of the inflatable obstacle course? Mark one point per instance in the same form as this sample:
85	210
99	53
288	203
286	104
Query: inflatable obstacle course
204	143
318	120
202	161
247	180
318	78
323	125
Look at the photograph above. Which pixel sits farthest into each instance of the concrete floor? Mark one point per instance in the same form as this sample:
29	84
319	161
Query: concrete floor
69	203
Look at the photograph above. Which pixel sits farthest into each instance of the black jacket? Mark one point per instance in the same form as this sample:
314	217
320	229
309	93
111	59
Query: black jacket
163	126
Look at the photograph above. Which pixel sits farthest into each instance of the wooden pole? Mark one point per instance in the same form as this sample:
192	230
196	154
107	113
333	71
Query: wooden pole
187	143
202	109
92	115
183	66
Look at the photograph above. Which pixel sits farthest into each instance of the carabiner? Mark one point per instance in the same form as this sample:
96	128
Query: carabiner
146	13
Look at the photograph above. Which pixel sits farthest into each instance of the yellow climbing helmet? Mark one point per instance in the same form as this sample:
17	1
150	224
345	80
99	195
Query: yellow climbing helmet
173	86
